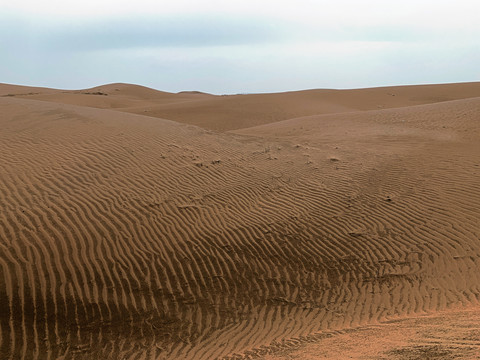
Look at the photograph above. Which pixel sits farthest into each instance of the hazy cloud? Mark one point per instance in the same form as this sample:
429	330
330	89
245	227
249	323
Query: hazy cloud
178	31
185	31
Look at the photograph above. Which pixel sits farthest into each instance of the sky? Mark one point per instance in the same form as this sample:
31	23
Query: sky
229	46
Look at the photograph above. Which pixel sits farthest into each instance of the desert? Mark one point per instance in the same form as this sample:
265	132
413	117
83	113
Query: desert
142	224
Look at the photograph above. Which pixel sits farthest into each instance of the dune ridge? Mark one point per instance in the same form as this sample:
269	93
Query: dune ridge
131	236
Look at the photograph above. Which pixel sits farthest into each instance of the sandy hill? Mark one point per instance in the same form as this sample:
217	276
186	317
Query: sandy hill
223	113
10	90
240	111
131	236
111	96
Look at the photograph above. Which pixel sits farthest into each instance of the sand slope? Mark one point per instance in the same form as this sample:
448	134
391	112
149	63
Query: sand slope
129	236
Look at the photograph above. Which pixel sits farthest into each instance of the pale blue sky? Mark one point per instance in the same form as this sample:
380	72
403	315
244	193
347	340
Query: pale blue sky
238	46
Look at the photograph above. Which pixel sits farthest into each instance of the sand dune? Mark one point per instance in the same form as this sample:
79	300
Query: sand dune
132	236
10	90
111	96
223	113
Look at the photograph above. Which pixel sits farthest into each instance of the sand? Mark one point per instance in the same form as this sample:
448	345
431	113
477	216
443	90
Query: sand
139	224
440	335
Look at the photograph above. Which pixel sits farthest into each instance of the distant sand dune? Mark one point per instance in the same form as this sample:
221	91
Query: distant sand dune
232	112
131	236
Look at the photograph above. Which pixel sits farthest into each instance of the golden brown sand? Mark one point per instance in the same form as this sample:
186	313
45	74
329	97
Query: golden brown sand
440	335
279	226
